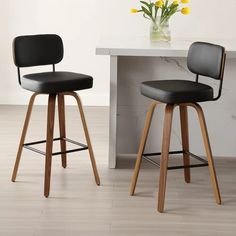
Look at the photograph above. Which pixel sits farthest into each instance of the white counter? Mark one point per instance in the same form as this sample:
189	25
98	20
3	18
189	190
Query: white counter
143	47
133	61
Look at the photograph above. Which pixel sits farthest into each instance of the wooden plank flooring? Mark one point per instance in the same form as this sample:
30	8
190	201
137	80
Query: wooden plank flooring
77	206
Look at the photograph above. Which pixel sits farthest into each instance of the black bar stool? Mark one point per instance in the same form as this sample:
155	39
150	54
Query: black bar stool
203	59
38	50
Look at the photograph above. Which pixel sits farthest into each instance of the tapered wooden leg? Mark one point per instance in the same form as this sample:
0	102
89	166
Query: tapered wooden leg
49	143
165	156
62	127
93	162
185	140
23	134
142	147
208	153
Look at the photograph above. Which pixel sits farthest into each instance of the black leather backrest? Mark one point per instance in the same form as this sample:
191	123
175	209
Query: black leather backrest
206	59
35	50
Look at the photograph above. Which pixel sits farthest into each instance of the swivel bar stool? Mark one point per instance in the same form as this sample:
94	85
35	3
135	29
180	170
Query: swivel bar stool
204	59
38	50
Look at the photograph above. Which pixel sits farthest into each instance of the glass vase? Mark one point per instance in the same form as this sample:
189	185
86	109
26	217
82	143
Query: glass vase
160	32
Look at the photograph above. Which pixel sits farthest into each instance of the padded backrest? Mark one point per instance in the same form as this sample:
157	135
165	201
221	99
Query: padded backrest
206	59
35	50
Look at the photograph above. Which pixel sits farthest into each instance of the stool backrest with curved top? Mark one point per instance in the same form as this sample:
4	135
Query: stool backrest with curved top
37	50
208	60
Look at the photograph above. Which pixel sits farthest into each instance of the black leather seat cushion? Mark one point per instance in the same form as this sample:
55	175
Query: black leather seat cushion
177	91
56	82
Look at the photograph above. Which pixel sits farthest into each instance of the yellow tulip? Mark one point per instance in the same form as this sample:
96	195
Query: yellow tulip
176	2
159	3
184	1
185	10
133	10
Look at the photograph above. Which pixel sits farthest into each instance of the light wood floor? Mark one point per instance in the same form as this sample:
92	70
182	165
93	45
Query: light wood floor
77	206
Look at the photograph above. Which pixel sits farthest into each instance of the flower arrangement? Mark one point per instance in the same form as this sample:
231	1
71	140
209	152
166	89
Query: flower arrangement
159	13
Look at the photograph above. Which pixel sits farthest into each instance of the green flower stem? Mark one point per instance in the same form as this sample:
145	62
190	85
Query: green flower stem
156	10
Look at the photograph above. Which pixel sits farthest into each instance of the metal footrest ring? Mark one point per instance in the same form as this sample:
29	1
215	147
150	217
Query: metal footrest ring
146	156
81	145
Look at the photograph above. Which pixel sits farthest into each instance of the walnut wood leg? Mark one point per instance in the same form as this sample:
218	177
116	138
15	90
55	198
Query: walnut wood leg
23	134
165	156
208	152
49	143
62	127
142	147
91	154
185	140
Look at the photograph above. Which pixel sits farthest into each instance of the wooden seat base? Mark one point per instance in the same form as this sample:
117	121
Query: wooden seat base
49	139
166	146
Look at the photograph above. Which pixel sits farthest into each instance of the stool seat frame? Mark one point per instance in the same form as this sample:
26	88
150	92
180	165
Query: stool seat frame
49	139
169	109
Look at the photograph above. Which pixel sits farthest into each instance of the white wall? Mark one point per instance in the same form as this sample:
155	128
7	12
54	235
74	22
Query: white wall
81	23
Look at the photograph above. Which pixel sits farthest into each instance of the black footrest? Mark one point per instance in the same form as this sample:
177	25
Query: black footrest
82	146
204	162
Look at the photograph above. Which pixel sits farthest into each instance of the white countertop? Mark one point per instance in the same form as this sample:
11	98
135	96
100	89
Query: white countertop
141	46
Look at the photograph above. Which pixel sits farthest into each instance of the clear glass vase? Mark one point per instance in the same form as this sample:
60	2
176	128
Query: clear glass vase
160	32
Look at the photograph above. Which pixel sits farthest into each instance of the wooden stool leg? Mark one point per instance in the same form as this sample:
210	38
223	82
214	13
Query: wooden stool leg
142	147
23	134
165	156
208	153
62	127
94	166
49	143
185	140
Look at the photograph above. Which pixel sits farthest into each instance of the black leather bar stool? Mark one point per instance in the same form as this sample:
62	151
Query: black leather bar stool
38	50
204	59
